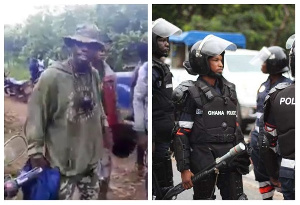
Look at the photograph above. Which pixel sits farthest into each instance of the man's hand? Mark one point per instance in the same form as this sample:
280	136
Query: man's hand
186	177
38	161
275	182
107	138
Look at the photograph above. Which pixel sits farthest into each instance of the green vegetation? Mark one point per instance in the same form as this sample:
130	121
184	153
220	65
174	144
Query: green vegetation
18	71
42	34
263	25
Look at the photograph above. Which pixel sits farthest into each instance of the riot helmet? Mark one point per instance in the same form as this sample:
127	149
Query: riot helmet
202	50
274	57
290	44
162	29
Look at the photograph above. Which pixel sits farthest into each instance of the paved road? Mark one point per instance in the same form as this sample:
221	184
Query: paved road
250	187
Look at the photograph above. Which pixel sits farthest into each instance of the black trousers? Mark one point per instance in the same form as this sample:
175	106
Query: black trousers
229	181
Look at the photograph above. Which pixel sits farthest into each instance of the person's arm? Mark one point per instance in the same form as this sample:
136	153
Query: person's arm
241	162
268	147
181	143
107	136
39	109
268	141
139	100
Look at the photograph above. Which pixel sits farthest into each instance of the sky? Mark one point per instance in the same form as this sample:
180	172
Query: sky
18	14
21	13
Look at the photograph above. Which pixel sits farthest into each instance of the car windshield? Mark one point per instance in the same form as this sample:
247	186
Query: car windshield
240	63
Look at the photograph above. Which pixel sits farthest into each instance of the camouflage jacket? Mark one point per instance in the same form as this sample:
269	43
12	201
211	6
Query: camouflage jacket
58	127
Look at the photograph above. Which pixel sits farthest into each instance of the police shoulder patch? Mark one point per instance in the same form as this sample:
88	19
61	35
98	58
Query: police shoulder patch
199	111
262	88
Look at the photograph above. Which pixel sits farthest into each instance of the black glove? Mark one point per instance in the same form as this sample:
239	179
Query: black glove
241	163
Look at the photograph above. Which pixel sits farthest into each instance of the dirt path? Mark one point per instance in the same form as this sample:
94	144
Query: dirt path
14	116
125	183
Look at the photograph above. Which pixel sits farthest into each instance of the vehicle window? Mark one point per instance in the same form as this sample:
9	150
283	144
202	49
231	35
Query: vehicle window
240	63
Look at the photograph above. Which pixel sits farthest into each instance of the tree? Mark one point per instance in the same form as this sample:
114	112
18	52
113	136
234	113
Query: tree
42	32
263	25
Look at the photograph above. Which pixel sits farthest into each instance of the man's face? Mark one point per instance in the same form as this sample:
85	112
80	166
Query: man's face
101	55
83	53
163	45
215	64
264	68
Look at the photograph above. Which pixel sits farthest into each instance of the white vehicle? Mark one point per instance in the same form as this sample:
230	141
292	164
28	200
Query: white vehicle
246	77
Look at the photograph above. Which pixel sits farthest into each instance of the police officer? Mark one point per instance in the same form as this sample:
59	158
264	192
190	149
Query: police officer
162	107
208	125
274	62
279	132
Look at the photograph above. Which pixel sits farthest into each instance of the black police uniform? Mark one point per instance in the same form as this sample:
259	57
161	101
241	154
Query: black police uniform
265	188
208	129
163	121
279	121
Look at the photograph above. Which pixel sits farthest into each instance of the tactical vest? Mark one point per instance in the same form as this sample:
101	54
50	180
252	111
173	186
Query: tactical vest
282	99
215	117
162	94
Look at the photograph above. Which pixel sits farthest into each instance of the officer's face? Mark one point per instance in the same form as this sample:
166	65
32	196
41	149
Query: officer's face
264	68
163	45
215	64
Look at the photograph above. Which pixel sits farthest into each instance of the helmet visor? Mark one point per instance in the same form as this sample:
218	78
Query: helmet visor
164	29
212	45
261	57
290	42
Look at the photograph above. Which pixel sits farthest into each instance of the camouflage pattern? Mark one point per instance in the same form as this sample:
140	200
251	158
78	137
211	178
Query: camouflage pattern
79	187
58	128
85	33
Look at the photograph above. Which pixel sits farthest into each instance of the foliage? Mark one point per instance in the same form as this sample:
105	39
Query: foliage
41	33
263	25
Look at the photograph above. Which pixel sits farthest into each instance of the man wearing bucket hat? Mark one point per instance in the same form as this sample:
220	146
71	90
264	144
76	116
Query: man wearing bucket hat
162	106
279	132
65	121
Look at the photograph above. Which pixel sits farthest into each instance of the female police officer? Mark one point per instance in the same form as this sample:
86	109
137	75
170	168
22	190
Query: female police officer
207	122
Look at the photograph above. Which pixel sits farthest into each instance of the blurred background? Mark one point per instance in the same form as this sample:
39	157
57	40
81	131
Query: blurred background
250	27
41	32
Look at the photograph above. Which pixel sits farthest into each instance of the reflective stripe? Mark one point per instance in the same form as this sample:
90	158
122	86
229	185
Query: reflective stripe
268	194
263	184
266	189
186	124
289	163
272	131
169	86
